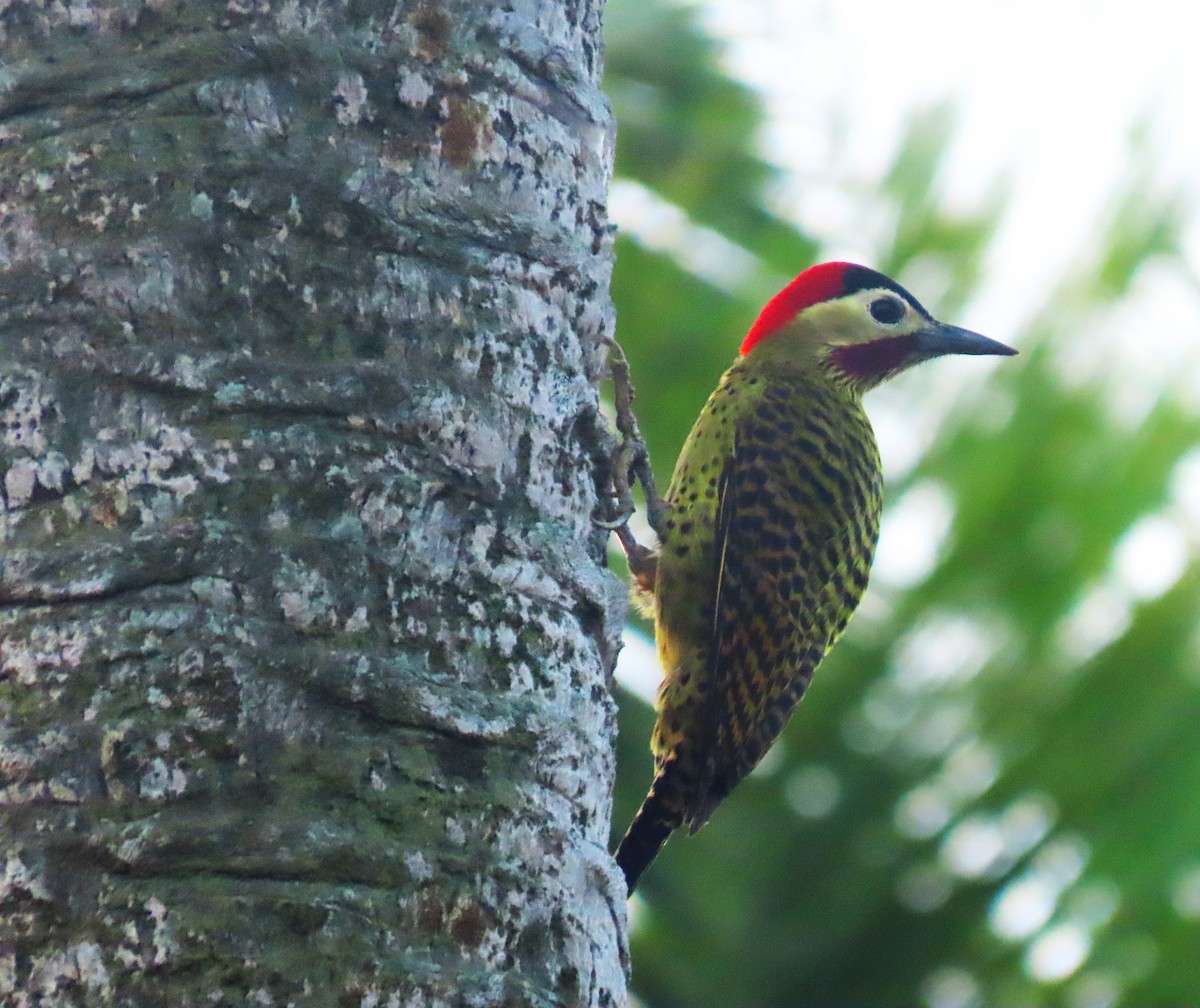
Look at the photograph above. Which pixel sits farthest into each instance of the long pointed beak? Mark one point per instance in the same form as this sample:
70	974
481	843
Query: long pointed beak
940	339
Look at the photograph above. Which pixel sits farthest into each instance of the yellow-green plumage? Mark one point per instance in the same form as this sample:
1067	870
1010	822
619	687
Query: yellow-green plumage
773	515
778	490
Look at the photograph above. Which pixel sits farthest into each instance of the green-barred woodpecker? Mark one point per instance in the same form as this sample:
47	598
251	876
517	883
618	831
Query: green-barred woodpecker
771	522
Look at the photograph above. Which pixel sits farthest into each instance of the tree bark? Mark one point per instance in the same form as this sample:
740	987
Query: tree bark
305	631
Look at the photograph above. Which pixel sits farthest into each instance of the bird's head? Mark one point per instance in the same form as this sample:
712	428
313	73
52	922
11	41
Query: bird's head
857	324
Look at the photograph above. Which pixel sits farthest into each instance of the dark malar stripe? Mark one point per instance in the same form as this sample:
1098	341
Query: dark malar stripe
876	359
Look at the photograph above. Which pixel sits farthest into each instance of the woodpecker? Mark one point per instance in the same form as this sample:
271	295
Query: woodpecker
769	530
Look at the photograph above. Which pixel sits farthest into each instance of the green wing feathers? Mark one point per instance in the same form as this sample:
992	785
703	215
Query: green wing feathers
794	535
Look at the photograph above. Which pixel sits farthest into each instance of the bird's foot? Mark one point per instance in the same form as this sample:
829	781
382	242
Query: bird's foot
631	461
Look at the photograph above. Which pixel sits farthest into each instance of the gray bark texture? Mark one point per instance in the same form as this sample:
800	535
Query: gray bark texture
305	631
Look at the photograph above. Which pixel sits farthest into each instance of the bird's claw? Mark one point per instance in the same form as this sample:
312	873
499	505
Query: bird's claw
631	465
614	524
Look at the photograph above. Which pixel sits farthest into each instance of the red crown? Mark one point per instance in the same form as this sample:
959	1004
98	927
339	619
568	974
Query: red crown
814	285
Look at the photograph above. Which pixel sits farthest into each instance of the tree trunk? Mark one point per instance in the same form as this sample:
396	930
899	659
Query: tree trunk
304	626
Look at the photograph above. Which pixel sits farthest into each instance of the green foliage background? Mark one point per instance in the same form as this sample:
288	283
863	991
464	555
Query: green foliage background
979	781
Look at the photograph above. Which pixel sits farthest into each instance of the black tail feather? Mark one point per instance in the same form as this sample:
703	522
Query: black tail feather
639	847
655	821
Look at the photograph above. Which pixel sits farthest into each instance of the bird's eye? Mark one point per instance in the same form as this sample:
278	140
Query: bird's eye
887	310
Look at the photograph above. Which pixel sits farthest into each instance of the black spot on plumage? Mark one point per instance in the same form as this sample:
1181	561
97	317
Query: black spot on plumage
751	524
835	476
825	494
858	492
865	536
772	456
758	434
754	480
773	539
818	423
803	443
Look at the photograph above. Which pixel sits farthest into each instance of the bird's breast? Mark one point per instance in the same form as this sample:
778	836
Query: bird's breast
807	473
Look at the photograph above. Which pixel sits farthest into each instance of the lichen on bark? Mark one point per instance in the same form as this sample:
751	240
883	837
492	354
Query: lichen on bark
304	624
